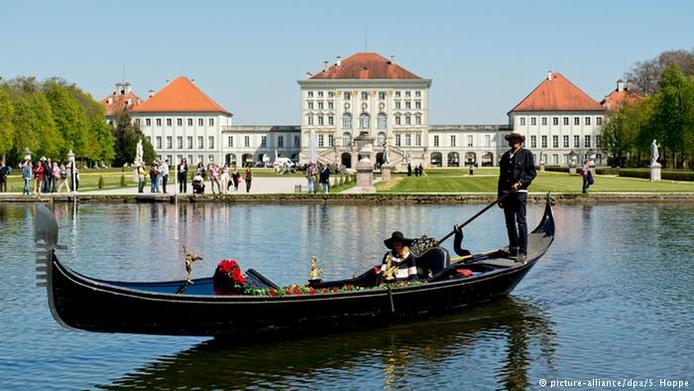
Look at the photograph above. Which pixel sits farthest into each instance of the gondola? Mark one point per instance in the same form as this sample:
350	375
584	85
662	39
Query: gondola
163	308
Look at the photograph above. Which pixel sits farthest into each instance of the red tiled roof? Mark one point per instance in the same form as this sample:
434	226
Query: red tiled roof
180	96
616	99
115	103
557	93
365	66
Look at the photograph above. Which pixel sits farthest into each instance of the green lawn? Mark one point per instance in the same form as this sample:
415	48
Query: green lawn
87	181
545	181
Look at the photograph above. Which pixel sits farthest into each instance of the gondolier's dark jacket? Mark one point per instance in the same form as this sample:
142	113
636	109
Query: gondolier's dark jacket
520	168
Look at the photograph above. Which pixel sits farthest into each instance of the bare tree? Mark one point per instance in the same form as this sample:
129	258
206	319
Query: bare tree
645	75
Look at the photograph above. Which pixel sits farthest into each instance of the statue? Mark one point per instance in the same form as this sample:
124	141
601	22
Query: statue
315	271
190	258
391	270
138	153
386	155
654	153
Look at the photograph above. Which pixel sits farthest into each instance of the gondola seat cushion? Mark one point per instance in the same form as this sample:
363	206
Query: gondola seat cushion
432	261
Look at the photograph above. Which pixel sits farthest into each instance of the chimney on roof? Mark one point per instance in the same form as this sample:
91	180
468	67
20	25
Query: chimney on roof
108	101
127	88
325	65
549	75
620	85
119	89
308	75
339	61
150	94
192	81
392	59
629	85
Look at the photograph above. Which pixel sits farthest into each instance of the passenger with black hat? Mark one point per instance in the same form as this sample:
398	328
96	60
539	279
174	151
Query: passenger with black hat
516	173
400	256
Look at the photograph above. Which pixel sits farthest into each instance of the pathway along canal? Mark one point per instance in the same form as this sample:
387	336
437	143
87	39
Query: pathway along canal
612	299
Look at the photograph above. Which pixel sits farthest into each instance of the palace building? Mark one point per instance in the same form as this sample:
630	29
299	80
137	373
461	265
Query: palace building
364	95
369	97
560	122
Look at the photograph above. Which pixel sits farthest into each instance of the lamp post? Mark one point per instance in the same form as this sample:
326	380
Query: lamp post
27	155
71	159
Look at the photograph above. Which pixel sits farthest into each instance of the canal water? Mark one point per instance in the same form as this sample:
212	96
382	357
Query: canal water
611	299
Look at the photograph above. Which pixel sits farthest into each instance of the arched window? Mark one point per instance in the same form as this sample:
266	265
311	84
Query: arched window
347	139
347	121
382	120
364	121
418	119
381	139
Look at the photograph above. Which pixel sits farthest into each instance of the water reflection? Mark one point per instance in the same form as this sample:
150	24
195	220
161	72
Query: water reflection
410	355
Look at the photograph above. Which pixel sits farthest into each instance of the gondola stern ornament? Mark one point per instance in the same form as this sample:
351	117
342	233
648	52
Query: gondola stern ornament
190	258
391	270
315	272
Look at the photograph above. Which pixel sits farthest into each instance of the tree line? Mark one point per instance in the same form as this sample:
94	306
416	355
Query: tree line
665	112
52	117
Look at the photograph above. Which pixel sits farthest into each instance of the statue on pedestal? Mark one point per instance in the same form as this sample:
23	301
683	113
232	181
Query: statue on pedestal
654	153
386	155
138	153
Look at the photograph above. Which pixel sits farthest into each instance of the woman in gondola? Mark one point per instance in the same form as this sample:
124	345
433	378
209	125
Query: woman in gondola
400	256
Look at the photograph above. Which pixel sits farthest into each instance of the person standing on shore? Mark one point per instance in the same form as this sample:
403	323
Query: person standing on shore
164	172
55	177
409	169
26	175
248	177
236	177
63	179
587	176
4	172
182	176
153	174
516	173
325	179
38	176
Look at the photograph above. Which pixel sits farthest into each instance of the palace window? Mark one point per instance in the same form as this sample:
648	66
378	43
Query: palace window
470	139
280	141
408	105
566	120
320	120
331	105
533	141
555	121
397	94
533	121
310	119
210	142
381	139
179	142
577	142
320	105
331	94
309	105
397	120
522	121
418	93
246	141
158	142
211	121
169	142
487	140
408	93
381	120
364	121
398	105
436	141
321	141
408	139
566	141
201	122
347	121
148	122
577	120
398	140
168	122
137	122
587	120
598	121
598	141
452	140
418	139
418	119
364	95
544	142
230	141
190	123
555	141
297	141
586	141
331	140
381	95
418	105
179	121
201	140
331	120
190	144
310	94
544	121
158	121
263	141
408	120
347	139
347	95
320	94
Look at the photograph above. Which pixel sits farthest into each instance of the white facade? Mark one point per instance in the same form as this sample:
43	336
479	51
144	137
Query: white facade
553	136
337	111
252	144
462	145
193	136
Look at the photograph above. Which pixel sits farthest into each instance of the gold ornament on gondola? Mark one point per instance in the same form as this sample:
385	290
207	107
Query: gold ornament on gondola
391	270
190	258
316	271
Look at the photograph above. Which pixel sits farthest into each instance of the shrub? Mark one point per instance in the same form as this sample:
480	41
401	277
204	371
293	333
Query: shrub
607	171
100	185
678	175
122	180
634	173
556	169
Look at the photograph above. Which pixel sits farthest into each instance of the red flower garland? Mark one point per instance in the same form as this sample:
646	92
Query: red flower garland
228	278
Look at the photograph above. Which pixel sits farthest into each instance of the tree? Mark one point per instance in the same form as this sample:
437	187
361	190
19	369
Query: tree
126	136
618	137
69	117
646	75
6	126
673	112
99	138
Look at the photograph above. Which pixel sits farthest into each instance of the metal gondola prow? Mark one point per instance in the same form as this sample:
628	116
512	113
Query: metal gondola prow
546	224
46	240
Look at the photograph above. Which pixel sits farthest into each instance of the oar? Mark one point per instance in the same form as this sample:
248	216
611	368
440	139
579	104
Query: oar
468	221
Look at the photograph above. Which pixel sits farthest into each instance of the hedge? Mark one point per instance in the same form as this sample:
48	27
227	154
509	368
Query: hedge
672	175
607	171
557	169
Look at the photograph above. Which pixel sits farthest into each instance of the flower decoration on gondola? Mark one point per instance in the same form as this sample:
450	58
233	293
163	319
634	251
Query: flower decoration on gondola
228	278
423	244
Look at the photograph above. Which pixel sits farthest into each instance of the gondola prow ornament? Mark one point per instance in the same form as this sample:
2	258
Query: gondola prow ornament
391	269
190	258
316	271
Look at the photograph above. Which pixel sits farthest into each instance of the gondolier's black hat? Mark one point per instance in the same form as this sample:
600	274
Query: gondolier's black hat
513	135
397	236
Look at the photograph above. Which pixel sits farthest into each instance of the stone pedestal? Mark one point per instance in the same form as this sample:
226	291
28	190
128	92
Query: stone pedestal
385	172
542	167
655	172
572	170
365	177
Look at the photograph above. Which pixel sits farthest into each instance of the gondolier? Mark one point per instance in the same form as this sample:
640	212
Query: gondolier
516	173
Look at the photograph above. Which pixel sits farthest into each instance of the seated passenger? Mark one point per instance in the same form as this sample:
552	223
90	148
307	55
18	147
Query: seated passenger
401	257
458	241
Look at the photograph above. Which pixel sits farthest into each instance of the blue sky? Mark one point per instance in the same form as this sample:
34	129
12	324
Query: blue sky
483	57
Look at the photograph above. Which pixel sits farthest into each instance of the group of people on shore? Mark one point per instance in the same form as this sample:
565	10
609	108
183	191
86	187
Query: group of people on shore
321	173
44	176
221	178
418	169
